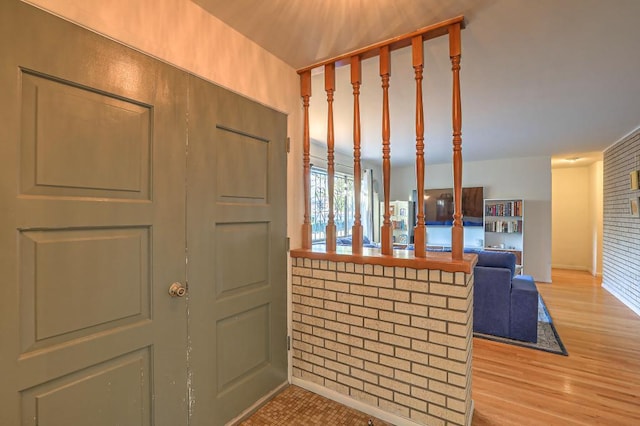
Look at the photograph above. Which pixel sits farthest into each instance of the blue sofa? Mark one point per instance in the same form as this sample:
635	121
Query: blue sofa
504	304
346	241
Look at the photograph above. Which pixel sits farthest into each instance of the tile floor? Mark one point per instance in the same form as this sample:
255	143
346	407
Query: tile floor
295	406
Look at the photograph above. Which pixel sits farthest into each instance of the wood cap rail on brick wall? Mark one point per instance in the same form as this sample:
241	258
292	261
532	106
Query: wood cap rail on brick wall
404	258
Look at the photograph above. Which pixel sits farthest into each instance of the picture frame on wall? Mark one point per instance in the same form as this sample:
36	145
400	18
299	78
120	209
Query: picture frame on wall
634	206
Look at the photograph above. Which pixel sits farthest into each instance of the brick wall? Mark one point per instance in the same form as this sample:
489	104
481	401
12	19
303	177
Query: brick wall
621	231
394	338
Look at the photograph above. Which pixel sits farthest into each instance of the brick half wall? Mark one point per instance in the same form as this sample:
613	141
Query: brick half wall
394	338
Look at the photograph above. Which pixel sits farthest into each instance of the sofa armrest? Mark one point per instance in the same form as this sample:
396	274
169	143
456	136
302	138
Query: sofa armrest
524	309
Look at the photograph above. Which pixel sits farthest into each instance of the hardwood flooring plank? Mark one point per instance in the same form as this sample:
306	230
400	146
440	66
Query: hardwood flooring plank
597	384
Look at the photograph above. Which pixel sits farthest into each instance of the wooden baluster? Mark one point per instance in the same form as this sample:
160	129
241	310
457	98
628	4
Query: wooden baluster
356	230
329	86
386	231
457	231
305	90
420	230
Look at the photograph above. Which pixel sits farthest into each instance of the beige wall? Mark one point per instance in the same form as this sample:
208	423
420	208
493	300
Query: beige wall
183	34
570	242
577	218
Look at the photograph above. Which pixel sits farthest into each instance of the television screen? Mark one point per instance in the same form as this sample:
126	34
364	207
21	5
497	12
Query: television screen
439	206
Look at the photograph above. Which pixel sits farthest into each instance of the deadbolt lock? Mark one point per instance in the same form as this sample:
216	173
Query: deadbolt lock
177	290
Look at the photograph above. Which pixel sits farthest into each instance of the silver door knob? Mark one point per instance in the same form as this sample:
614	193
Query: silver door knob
177	290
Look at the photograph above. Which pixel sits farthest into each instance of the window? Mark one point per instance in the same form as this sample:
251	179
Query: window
343	204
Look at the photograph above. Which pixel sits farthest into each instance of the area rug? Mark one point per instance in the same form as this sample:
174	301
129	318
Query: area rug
548	338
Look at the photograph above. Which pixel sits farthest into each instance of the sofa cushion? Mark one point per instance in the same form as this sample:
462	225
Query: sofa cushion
498	259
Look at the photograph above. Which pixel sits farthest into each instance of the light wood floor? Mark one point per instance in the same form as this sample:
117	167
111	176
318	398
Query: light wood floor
597	384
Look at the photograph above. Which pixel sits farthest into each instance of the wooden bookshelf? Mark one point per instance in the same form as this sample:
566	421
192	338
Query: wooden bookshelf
504	226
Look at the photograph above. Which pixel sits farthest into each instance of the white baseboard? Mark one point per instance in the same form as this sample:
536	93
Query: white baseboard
350	402
259	403
571	267
360	406
620	297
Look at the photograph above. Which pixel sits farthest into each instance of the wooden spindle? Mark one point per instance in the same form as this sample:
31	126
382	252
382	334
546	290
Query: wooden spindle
305	90
329	86
356	230
457	231
419	234
452	27
385	73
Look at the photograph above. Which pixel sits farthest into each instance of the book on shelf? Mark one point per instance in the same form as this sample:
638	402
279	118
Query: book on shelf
504	208
506	226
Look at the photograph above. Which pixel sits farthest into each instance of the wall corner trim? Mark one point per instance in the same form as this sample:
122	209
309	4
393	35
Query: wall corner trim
626	136
621	298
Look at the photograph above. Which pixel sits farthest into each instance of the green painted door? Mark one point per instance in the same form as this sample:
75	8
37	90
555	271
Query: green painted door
107	197
92	231
236	229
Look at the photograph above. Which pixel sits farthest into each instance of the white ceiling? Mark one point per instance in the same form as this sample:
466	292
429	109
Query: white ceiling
539	77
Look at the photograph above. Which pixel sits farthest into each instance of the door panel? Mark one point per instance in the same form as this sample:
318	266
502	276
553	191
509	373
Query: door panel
108	277
234	241
57	121
236	228
91	228
242	164
249	329
113	389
